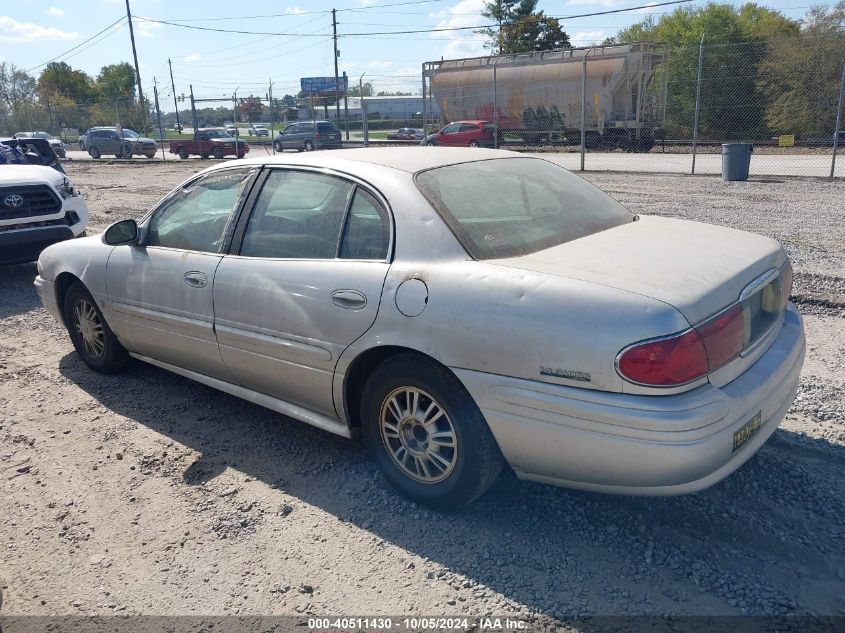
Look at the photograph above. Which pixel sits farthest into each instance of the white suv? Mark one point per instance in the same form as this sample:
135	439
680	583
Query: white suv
39	206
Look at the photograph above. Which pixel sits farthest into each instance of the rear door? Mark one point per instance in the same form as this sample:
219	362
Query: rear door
304	281
469	132
161	293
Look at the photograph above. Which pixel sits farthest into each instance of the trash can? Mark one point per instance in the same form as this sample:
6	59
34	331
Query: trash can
736	159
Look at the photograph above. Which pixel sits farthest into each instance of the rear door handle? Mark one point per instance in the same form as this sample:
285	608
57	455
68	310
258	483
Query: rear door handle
196	279
349	299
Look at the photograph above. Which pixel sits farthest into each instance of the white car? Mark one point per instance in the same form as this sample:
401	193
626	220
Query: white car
55	143
461	309
260	130
39	206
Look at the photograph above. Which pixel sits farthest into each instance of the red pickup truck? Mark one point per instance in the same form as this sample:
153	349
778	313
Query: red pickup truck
211	141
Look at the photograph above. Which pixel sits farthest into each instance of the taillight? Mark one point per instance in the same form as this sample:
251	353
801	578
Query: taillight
682	358
665	362
723	336
677	360
785	283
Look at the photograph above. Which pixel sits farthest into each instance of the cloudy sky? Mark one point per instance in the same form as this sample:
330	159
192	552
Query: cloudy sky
32	32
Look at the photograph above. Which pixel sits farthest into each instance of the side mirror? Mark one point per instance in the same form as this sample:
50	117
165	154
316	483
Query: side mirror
123	232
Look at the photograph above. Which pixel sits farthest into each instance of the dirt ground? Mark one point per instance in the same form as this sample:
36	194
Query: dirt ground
146	493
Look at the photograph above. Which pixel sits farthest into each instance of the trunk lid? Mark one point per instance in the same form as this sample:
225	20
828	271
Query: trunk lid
697	268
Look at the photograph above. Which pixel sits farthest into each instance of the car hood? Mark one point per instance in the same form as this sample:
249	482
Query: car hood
29	175
697	268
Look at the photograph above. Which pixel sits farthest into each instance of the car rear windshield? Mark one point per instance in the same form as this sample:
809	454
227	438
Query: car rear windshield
515	206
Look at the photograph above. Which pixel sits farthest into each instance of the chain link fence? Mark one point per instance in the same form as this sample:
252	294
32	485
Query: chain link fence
648	108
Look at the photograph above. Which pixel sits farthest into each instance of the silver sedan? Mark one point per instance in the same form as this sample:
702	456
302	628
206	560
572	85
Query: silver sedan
461	310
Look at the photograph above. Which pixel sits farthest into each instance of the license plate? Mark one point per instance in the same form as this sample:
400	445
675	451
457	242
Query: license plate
747	430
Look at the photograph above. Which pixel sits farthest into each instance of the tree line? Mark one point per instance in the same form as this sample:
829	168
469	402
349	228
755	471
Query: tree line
762	73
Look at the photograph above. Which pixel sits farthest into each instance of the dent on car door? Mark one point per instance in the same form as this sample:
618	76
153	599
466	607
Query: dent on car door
305	284
161	292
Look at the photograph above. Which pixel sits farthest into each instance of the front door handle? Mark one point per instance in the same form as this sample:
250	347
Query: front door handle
349	299
196	279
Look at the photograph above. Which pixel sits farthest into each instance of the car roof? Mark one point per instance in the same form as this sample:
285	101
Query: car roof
407	159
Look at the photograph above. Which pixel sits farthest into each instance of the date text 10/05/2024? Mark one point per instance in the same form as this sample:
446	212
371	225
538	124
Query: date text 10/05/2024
416	623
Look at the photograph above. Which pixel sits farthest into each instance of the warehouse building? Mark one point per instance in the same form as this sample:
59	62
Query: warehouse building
392	107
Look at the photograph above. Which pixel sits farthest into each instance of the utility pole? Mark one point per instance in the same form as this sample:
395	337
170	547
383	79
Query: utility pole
346	105
175	102
336	55
135	55
235	119
158	115
193	111
272	117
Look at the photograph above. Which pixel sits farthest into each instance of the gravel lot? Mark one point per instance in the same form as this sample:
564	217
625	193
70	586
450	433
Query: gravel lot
147	493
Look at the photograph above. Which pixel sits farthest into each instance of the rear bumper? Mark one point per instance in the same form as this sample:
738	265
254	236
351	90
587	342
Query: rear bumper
634	444
25	245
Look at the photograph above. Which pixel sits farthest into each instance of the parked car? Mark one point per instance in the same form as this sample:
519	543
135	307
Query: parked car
55	143
37	151
123	143
406	134
39	206
308	136
83	137
260	130
461	310
232	130
213	141
465	134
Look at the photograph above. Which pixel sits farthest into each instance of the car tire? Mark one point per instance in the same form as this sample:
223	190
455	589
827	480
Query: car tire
204	156
218	153
125	152
183	153
278	147
309	146
474	143
94	152
445	474
241	155
91	336
430	143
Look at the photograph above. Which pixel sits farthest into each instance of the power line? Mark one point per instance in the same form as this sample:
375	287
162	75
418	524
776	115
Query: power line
428	30
115	23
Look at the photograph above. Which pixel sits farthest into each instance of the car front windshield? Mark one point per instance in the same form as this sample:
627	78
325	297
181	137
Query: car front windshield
515	206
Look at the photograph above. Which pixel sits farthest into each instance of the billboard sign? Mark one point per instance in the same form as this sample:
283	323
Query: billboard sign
323	86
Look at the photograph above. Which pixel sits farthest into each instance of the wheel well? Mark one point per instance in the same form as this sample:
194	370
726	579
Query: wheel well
62	283
360	370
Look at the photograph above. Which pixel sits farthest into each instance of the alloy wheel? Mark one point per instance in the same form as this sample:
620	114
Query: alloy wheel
418	435
89	327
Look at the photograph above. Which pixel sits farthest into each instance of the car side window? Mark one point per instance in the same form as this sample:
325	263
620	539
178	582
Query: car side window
195	217
297	215
451	129
367	231
468	127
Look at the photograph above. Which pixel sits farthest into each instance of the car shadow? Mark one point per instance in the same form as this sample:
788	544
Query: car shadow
17	293
560	552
